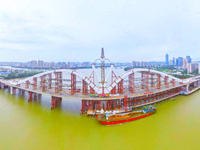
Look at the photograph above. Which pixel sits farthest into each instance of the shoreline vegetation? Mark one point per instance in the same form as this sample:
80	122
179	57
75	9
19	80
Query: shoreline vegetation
16	75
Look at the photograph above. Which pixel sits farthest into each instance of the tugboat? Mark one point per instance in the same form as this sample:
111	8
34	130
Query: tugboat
119	118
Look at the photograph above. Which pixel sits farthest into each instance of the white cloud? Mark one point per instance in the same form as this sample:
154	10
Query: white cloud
133	28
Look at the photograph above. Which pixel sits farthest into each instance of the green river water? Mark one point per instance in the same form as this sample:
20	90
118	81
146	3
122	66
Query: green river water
33	125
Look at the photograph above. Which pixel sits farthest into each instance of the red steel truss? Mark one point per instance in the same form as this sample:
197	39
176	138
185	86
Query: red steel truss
84	87
92	76
121	87
42	83
152	80
158	81
166	81
131	83
114	90
142	80
27	84
49	80
125	102
34	83
173	82
92	91
113	76
147	81
58	82
73	83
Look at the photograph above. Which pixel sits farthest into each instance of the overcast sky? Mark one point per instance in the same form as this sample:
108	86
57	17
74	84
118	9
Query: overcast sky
76	30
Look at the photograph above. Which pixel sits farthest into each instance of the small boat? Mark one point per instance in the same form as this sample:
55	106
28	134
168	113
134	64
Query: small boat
119	118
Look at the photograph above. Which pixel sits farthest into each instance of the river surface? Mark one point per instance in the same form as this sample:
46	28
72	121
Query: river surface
33	125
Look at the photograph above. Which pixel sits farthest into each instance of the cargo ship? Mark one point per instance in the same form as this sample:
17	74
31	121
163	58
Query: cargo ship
120	118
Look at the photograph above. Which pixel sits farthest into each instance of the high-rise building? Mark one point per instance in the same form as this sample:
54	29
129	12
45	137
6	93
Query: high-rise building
33	64
174	61
133	63
167	59
40	64
179	61
185	63
192	67
171	63
189	59
137	64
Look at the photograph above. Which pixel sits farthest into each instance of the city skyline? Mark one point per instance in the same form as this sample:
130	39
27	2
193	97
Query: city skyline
128	30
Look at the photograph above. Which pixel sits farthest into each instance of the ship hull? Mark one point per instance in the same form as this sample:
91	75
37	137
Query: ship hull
113	122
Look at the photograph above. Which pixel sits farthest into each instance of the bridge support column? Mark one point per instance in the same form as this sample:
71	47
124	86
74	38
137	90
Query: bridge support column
35	96
131	83
2	85
187	87
39	96
12	90
23	91
30	96
55	101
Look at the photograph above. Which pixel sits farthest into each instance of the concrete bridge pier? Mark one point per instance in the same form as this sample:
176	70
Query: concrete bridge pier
33	96
12	90
187	87
21	91
30	96
2	85
55	101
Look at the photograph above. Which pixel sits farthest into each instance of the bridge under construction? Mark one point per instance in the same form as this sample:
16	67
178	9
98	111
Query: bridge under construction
132	89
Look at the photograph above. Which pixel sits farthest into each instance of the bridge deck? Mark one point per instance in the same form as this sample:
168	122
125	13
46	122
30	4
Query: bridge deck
67	94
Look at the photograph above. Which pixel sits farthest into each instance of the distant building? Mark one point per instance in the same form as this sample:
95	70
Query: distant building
185	63
179	61
171	63
33	64
137	64
51	64
198	68
192	67
86	64
167	59
189	59
40	64
133	63
174	61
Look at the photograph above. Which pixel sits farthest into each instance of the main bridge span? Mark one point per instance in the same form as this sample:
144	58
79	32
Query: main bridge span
134	88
